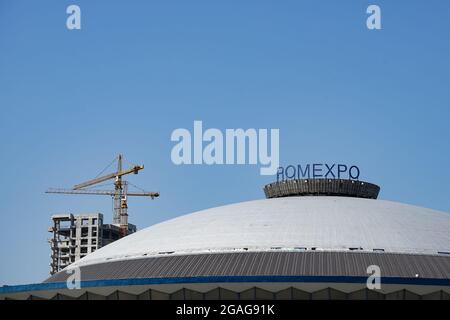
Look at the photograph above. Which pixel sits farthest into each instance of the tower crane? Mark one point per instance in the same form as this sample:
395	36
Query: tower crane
120	193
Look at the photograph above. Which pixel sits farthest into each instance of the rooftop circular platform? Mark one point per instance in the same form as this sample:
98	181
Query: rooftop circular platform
322	187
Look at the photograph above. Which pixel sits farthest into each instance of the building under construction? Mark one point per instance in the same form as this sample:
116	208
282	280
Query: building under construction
75	236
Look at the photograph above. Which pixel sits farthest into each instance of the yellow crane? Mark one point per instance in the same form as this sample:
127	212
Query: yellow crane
119	194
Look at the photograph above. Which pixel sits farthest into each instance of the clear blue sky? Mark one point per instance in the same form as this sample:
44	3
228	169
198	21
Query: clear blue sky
339	93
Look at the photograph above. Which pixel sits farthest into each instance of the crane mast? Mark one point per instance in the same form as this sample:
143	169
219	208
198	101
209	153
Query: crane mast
120	216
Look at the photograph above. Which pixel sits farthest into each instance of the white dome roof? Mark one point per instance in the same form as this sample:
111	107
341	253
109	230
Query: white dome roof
325	223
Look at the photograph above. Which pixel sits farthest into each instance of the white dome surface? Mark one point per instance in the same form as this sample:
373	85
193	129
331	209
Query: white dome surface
325	223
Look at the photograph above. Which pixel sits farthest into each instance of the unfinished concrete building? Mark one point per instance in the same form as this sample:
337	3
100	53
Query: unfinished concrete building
75	236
